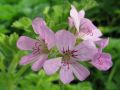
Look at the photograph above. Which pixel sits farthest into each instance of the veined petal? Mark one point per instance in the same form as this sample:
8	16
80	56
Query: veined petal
26	43
85	50
88	31
74	15
102	61
52	65
28	59
46	34
39	63
65	40
66	75
80	71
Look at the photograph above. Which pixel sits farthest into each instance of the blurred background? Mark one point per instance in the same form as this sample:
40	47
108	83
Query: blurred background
15	20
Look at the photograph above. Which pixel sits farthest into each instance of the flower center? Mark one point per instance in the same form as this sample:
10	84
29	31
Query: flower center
67	57
40	47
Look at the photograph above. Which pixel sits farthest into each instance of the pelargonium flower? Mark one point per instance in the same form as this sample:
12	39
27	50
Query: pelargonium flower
102	61
85	29
71	54
39	47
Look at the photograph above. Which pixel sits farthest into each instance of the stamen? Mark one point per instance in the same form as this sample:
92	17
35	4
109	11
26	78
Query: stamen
67	55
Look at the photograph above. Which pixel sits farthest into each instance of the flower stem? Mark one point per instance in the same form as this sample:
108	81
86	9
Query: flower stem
61	85
112	72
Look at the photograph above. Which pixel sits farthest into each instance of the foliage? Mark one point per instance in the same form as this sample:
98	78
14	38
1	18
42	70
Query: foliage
15	20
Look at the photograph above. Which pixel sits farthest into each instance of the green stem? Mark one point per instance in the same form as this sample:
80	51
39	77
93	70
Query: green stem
112	72
21	71
61	85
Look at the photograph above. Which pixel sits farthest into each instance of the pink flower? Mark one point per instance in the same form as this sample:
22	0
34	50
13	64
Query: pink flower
40	48
102	61
68	63
85	28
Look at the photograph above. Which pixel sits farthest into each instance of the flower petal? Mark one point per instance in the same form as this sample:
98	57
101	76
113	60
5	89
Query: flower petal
39	63
50	39
28	59
38	25
70	22
102	61
81	14
52	65
65	40
80	71
85	50
66	75
26	43
88	30
102	43
46	34
75	17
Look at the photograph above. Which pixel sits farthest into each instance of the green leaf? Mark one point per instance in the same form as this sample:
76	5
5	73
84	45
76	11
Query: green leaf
22	23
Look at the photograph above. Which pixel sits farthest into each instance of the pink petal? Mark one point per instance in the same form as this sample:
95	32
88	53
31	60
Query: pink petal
65	40
70	22
37	65
38	25
52	65
50	39
81	14
88	30
102	43
80	71
46	34
28	59
85	50
75	17
102	61
26	43
66	75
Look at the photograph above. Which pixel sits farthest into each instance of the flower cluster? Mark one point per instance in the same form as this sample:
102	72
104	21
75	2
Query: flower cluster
71	52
